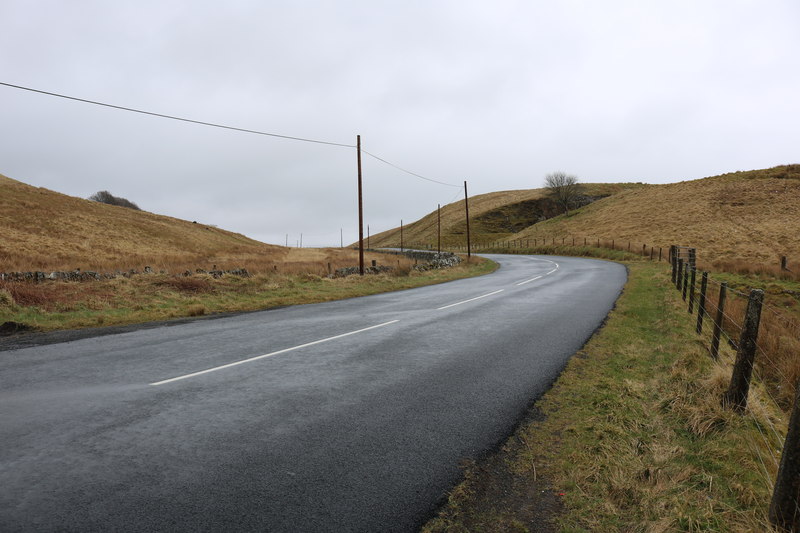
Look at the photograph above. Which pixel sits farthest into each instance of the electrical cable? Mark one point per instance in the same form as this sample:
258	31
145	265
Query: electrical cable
408	171
172	117
223	126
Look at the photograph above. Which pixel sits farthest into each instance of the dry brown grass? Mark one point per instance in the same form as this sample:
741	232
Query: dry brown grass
738	222
776	362
740	218
44	230
424	231
56	305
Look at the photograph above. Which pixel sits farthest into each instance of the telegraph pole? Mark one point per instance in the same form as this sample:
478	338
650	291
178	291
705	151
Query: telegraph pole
401	234
341	237
360	211
439	228
466	208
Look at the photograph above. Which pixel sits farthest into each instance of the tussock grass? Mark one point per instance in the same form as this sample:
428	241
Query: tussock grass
142	298
424	231
743	218
634	436
739	222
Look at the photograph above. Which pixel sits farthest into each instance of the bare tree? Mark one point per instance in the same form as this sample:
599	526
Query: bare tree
564	188
105	197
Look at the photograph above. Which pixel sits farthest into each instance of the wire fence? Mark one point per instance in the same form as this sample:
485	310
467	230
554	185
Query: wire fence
572	245
766	347
762	338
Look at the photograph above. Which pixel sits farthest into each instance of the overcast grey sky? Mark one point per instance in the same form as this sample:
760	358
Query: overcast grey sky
498	93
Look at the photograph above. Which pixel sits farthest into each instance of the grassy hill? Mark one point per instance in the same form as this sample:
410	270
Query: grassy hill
495	215
741	217
46	230
738	217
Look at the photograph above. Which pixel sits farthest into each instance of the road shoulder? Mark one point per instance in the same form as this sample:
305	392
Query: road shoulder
631	437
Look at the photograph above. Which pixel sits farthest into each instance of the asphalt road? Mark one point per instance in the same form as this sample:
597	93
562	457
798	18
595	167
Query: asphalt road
344	416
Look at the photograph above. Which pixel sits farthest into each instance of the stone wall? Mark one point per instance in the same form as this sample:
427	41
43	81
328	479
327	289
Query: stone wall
87	275
429	261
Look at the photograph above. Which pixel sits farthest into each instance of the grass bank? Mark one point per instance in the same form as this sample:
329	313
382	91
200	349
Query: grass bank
143	298
631	437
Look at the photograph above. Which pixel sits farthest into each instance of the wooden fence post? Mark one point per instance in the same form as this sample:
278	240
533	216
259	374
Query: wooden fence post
679	277
718	322
692	257
673	262
644	249
685	280
612	244
573	240
784	510
783	263
701	307
736	397
691	291
651	253
659	254
584	241
629	246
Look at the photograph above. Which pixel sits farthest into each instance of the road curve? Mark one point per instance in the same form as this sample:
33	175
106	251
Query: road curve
344	416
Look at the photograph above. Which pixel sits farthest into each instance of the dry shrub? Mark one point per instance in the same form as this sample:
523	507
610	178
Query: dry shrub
187	284
402	271
27	294
196	310
699	401
6	299
778	359
745	267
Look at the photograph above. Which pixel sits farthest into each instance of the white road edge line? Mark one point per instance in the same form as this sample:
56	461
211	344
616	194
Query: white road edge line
543	275
256	358
470	300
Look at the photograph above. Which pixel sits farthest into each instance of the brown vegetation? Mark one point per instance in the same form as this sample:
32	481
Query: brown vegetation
45	230
423	231
742	217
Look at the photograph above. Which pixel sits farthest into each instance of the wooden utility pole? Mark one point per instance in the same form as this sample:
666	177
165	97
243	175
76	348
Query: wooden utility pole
360	211
466	208
401	234
439	228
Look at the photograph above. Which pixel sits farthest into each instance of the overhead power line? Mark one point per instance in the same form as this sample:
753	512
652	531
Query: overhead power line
408	171
214	125
171	117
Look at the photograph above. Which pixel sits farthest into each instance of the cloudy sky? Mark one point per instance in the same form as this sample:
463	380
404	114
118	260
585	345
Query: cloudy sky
496	93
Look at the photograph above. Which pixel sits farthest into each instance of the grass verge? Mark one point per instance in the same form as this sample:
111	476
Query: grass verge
631	437
69	305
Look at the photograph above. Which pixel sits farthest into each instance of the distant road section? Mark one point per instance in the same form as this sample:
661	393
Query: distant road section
344	416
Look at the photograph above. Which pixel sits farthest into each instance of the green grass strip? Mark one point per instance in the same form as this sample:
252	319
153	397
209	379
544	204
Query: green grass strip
632	437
